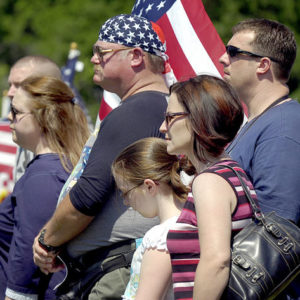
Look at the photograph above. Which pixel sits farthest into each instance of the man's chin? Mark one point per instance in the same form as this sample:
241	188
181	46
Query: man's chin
226	77
97	79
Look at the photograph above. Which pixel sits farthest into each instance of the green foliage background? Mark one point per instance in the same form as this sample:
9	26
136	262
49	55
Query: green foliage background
47	27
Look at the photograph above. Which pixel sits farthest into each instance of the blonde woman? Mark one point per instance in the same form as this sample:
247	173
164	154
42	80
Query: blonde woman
44	120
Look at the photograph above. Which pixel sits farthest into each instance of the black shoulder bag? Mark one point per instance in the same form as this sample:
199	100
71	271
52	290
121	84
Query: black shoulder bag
265	255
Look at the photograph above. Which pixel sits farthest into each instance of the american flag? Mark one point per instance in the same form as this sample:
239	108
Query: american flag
193	44
8	150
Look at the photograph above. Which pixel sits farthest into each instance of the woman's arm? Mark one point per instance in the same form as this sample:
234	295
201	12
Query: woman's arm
214	202
155	275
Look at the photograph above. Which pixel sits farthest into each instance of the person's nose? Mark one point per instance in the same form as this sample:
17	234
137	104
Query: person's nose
95	59
11	91
10	117
224	59
163	127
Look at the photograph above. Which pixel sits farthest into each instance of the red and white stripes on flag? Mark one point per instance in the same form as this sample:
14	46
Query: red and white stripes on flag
8	151
193	44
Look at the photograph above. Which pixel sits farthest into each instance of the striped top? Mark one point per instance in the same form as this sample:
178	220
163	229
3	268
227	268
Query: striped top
182	239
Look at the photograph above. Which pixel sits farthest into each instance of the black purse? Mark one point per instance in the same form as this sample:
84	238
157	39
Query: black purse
265	255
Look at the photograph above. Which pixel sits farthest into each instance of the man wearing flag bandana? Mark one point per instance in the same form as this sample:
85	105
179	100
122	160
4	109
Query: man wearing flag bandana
98	232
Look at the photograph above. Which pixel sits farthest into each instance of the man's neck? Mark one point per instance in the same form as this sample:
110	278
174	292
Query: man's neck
153	84
264	98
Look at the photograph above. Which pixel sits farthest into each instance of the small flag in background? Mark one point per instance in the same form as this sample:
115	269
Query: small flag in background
68	72
193	44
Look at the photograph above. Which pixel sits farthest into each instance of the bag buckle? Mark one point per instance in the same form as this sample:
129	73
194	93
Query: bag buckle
272	228
286	242
255	276
241	261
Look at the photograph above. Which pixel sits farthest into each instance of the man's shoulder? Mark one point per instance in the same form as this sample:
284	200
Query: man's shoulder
148	96
145	103
289	108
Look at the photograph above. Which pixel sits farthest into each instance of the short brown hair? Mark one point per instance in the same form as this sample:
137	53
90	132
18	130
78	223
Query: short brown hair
148	159
272	39
214	111
157	63
62	122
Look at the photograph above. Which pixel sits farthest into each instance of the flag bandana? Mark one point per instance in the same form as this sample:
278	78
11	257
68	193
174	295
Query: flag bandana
134	31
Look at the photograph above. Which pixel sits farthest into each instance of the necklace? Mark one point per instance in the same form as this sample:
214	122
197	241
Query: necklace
250	124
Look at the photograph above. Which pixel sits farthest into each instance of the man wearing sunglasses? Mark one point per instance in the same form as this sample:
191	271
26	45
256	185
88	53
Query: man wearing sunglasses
257	63
99	230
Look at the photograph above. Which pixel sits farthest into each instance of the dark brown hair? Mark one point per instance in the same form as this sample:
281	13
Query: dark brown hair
214	111
62	122
148	159
272	39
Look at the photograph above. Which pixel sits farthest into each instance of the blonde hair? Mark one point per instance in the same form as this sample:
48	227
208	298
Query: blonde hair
148	159
62	122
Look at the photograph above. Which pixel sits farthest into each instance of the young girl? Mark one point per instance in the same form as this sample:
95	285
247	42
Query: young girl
45	120
203	116
149	180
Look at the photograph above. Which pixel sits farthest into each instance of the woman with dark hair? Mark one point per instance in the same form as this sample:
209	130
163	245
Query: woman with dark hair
45	120
203	116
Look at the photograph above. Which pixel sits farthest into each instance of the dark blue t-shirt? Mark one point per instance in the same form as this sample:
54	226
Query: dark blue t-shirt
269	151
137	117
22	215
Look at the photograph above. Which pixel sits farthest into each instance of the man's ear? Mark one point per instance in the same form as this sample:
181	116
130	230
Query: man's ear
151	186
137	57
264	65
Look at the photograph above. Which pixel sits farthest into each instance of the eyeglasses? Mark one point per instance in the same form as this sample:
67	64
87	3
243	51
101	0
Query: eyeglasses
101	52
125	194
15	113
170	116
233	51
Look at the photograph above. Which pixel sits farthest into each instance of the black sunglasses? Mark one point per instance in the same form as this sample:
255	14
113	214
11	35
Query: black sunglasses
232	51
170	116
15	112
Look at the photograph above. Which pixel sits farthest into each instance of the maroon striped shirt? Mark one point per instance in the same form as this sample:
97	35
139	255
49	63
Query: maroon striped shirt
182	239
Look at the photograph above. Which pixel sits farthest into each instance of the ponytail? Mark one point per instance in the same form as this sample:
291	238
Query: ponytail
148	159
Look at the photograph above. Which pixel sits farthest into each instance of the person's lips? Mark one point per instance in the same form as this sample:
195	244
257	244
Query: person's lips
226	72
167	138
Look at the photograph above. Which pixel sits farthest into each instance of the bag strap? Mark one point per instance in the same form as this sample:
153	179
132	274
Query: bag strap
256	210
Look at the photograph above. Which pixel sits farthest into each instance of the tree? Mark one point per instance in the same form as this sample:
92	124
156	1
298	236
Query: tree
48	27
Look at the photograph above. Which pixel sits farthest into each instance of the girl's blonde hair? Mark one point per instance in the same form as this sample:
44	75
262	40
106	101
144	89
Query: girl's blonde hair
148	159
62	122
